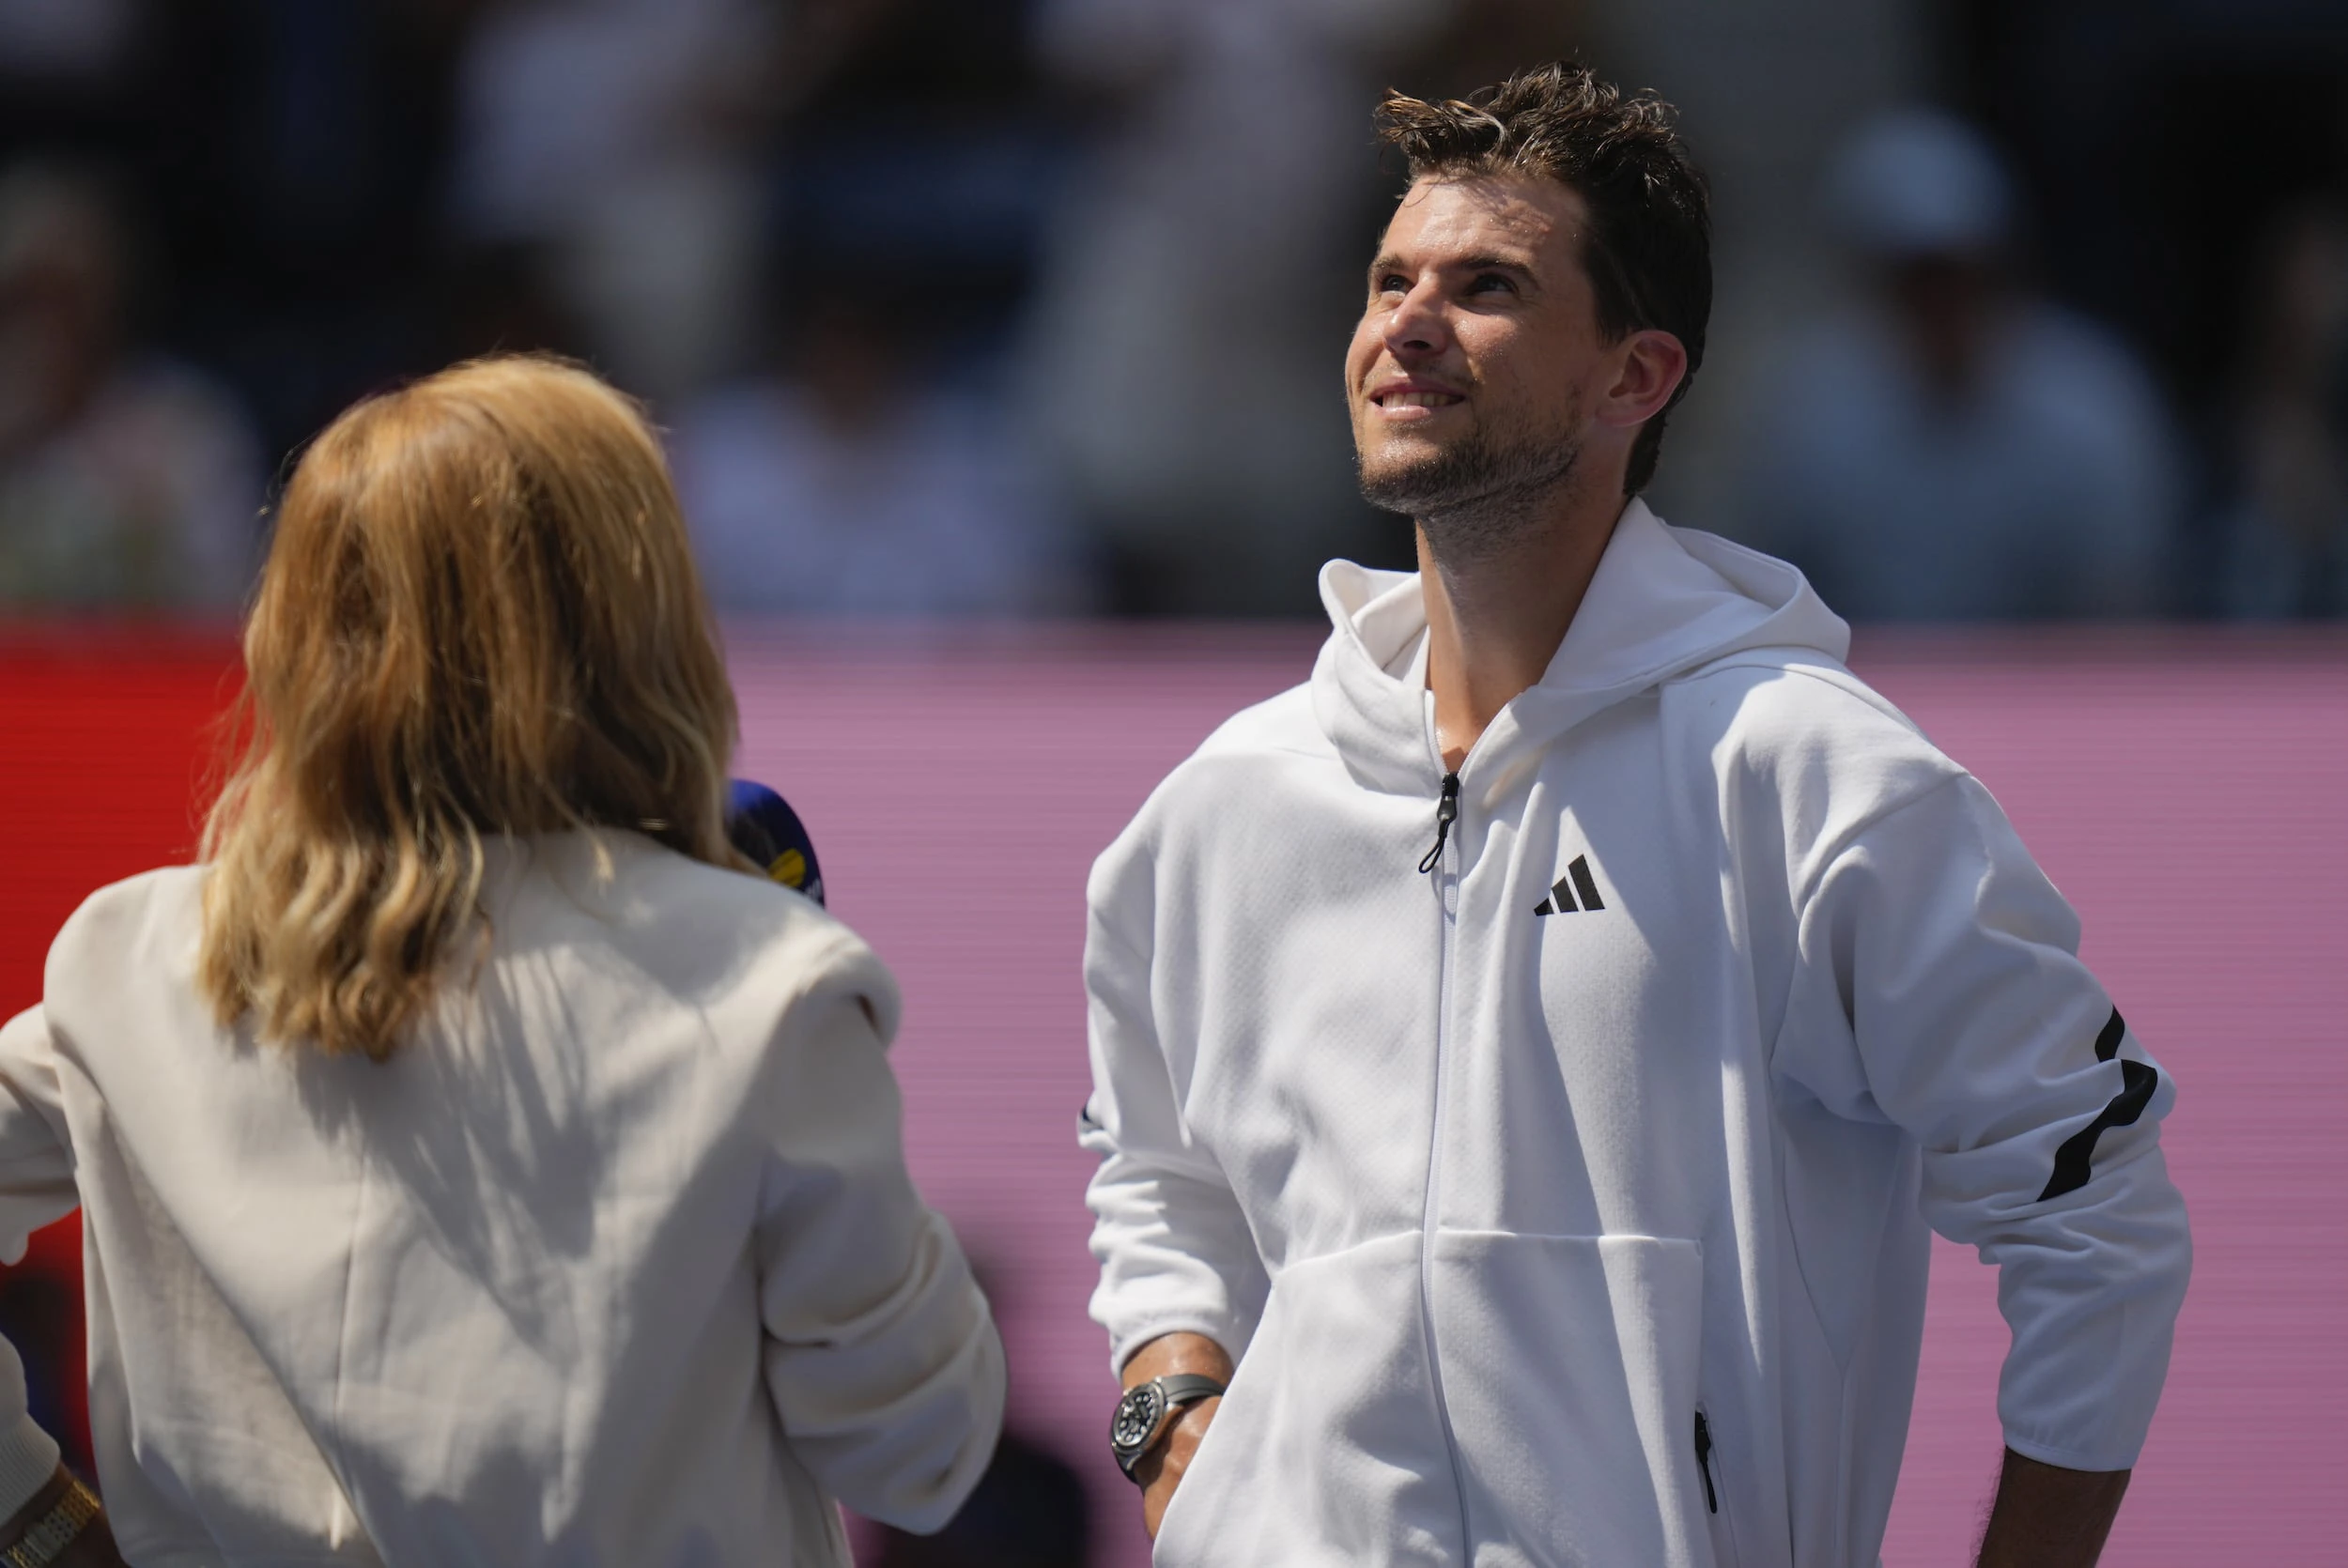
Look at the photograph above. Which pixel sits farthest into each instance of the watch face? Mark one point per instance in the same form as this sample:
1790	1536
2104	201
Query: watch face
1136	1419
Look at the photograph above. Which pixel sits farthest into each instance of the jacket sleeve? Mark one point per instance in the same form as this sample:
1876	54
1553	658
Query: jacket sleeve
1938	988
35	1187
1175	1250
882	1358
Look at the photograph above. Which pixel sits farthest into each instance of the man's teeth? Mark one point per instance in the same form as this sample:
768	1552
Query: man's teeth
1417	400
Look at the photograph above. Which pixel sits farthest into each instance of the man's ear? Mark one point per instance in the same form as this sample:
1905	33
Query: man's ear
1650	364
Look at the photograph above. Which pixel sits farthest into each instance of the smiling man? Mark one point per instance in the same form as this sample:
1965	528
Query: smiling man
1528	1056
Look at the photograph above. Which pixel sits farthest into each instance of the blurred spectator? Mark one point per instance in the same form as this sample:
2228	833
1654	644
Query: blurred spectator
1952	447
623	139
855	482
283	160
40	1313
64	65
1030	1511
2285	536
126	481
1186	349
1032	1508
930	146
65	39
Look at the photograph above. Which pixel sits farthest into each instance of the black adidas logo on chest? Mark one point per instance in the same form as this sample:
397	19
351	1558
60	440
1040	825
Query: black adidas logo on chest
1574	892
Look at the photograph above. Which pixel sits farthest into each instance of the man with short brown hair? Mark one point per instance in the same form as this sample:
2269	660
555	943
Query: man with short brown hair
1528	1056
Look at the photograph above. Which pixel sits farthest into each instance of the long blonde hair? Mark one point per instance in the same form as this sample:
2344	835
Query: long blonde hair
479	616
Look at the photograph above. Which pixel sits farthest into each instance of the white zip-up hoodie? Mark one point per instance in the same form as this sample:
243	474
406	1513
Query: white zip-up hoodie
1567	1204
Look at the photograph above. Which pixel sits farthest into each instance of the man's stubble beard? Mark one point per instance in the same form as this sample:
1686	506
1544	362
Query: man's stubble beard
1480	497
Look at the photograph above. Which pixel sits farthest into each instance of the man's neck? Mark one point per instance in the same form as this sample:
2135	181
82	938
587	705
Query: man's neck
1493	623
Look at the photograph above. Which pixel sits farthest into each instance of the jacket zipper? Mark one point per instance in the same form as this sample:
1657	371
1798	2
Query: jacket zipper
1446	812
1703	1462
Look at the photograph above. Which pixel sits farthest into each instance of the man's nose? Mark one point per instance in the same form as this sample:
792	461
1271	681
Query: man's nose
1417	327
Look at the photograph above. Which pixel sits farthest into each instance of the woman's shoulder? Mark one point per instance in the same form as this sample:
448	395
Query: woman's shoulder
714	935
122	968
155	915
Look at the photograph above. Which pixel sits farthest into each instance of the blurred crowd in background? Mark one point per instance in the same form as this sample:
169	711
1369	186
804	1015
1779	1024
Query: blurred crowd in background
2029	309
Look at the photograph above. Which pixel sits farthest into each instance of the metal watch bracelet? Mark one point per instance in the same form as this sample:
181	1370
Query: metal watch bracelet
54	1531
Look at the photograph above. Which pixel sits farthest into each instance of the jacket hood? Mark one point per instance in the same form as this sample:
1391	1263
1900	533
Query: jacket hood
1664	602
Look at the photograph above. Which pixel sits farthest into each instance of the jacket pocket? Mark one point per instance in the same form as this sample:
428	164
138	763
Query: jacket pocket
1324	1452
1568	1367
1713	1470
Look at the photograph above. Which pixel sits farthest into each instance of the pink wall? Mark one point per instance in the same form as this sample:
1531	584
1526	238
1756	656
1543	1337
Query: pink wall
2187	795
957	798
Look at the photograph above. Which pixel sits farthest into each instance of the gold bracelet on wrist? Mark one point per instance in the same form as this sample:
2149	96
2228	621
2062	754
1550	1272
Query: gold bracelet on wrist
54	1531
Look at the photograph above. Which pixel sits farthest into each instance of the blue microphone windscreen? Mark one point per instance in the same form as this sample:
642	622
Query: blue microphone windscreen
762	826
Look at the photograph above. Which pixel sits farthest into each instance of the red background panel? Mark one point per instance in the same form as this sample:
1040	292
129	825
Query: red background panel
103	749
2186	792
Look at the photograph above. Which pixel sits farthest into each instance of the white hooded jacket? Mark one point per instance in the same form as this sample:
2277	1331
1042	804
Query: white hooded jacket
1567	1204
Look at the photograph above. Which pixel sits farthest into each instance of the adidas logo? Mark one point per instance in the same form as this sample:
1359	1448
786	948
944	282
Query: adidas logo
1576	880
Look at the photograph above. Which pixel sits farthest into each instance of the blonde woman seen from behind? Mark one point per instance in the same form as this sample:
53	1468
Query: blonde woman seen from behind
476	1167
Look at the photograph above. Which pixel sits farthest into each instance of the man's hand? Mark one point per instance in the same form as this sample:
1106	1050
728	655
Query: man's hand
2050	1517
1161	1469
94	1547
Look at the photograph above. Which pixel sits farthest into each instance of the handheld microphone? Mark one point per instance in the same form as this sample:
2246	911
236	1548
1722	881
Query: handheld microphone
762	826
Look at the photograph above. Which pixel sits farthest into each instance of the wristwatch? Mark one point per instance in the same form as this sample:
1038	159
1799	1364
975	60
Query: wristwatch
1148	1409
46	1538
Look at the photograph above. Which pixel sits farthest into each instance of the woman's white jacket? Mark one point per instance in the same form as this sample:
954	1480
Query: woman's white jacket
616	1261
1566	1204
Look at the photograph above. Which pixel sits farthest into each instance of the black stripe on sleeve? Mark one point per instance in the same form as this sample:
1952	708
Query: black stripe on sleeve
2138	1080
2107	1043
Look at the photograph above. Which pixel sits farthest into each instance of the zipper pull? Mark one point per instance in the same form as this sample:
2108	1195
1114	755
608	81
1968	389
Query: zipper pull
1446	812
1703	1462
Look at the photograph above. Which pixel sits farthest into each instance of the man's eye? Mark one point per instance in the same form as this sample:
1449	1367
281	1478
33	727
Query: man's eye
1486	281
1392	283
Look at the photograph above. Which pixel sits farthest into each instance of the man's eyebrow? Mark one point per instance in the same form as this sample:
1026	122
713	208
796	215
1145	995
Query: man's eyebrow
1494	264
1480	263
